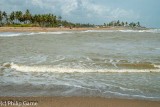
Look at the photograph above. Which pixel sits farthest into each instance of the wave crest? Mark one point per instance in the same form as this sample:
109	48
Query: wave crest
45	68
12	34
131	31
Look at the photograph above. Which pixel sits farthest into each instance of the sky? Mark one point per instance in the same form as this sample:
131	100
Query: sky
147	12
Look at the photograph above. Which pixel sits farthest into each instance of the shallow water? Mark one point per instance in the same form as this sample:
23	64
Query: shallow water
123	64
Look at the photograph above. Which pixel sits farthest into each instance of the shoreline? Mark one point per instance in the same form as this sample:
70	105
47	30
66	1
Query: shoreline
45	29
80	102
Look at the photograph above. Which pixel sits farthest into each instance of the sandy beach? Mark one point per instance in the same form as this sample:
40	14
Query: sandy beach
45	29
74	102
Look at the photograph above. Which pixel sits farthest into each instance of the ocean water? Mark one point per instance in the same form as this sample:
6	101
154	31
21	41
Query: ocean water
111	64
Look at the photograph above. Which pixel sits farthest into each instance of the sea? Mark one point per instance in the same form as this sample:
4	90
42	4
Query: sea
91	63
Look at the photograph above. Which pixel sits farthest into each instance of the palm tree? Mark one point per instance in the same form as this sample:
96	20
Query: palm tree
44	20
54	19
132	24
59	18
138	24
19	16
27	16
4	15
1	17
126	23
12	17
122	23
118	23
35	19
39	19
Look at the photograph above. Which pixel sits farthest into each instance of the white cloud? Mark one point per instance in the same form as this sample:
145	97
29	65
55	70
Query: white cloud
37	2
95	9
121	13
72	9
68	6
47	4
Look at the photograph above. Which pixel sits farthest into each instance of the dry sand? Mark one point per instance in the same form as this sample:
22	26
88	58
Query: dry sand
45	29
77	102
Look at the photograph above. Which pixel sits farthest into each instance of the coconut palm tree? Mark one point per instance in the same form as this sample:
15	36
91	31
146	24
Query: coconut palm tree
12	17
122	23
1	17
126	24
4	15
19	16
138	24
27	16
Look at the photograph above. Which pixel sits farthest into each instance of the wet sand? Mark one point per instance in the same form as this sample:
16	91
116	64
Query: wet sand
76	102
45	29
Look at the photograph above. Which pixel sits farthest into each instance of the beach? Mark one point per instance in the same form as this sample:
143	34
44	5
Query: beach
79	53
80	67
76	102
47	29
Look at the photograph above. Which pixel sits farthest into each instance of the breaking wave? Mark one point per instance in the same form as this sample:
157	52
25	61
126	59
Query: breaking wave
132	31
99	31
12	34
152	30
49	68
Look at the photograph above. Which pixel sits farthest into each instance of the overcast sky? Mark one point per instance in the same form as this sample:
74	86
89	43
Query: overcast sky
92	11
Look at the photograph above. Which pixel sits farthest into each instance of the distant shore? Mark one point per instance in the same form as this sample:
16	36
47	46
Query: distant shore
46	29
75	102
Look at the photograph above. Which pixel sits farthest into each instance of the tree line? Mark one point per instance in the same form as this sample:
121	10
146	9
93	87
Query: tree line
18	18
26	19
118	23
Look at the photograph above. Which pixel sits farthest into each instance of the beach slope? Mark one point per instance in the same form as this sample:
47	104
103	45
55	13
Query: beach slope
80	102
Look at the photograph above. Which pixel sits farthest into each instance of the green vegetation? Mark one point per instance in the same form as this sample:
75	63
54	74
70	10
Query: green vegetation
125	24
26	19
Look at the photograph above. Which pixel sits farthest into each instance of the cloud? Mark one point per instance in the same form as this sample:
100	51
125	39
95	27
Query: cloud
121	13
95	9
88	9
68	6
79	10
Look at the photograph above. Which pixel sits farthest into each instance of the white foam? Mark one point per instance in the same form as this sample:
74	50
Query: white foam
156	66
24	68
132	31
58	32
111	31
128	30
153	30
59	58
35	33
131	96
148	31
96	31
12	34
